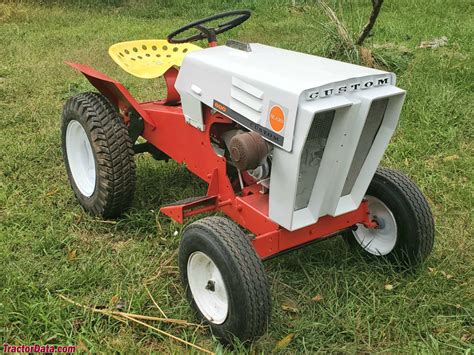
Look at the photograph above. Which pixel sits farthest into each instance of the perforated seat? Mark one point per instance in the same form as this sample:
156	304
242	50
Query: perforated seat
149	58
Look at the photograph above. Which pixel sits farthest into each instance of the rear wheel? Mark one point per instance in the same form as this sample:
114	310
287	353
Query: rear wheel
406	230
224	279
98	155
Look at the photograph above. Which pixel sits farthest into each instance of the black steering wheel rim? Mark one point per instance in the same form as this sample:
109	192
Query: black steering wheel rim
240	16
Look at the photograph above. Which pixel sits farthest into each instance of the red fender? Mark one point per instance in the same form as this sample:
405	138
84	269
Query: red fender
113	90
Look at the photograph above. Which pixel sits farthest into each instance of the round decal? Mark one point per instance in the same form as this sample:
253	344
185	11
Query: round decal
277	118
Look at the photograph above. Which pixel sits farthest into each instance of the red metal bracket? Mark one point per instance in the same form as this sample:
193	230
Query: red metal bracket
190	207
178	211
172	96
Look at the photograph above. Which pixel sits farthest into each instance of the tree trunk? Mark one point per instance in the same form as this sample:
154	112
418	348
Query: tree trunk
376	5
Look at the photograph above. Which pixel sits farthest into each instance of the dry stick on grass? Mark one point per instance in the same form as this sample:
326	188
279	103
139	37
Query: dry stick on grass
164	320
130	303
104	221
134	318
154	302
376	5
168	335
134	315
162	266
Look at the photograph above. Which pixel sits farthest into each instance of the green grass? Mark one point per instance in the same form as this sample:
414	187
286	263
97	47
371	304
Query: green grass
41	224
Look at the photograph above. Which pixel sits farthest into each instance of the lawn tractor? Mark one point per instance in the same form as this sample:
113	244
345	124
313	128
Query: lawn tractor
288	143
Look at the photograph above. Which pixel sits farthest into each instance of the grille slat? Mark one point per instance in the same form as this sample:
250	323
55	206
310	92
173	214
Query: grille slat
369	132
311	156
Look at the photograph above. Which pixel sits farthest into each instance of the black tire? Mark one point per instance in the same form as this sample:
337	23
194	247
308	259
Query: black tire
112	151
412	214
249	299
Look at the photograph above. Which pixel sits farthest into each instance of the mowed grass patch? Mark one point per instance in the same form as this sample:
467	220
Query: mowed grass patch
49	246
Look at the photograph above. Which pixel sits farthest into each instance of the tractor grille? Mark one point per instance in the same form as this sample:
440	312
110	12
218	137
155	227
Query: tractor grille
311	156
369	132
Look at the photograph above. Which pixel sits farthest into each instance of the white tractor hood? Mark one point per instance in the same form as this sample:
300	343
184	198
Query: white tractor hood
263	88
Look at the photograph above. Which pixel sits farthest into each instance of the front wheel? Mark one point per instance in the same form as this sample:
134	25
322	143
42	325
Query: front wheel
405	234
224	279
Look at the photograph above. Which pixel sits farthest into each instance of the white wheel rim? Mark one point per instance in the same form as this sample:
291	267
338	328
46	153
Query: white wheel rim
378	241
80	158
207	287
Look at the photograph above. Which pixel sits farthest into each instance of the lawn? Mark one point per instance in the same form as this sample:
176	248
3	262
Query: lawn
50	247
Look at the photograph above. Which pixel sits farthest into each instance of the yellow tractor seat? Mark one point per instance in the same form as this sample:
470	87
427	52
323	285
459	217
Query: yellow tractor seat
149	58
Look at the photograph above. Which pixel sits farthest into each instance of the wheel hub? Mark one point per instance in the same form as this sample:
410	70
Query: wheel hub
208	288
380	222
381	240
211	286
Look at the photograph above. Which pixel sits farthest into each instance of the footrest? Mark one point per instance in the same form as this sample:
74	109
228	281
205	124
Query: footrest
188	207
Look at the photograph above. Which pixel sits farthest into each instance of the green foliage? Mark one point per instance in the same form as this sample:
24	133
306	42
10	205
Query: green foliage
49	246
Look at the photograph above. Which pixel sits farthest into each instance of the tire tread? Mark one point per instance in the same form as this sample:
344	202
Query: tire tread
421	217
114	152
419	206
251	271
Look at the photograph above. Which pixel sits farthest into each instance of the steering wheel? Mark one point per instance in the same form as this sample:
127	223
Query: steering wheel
237	17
